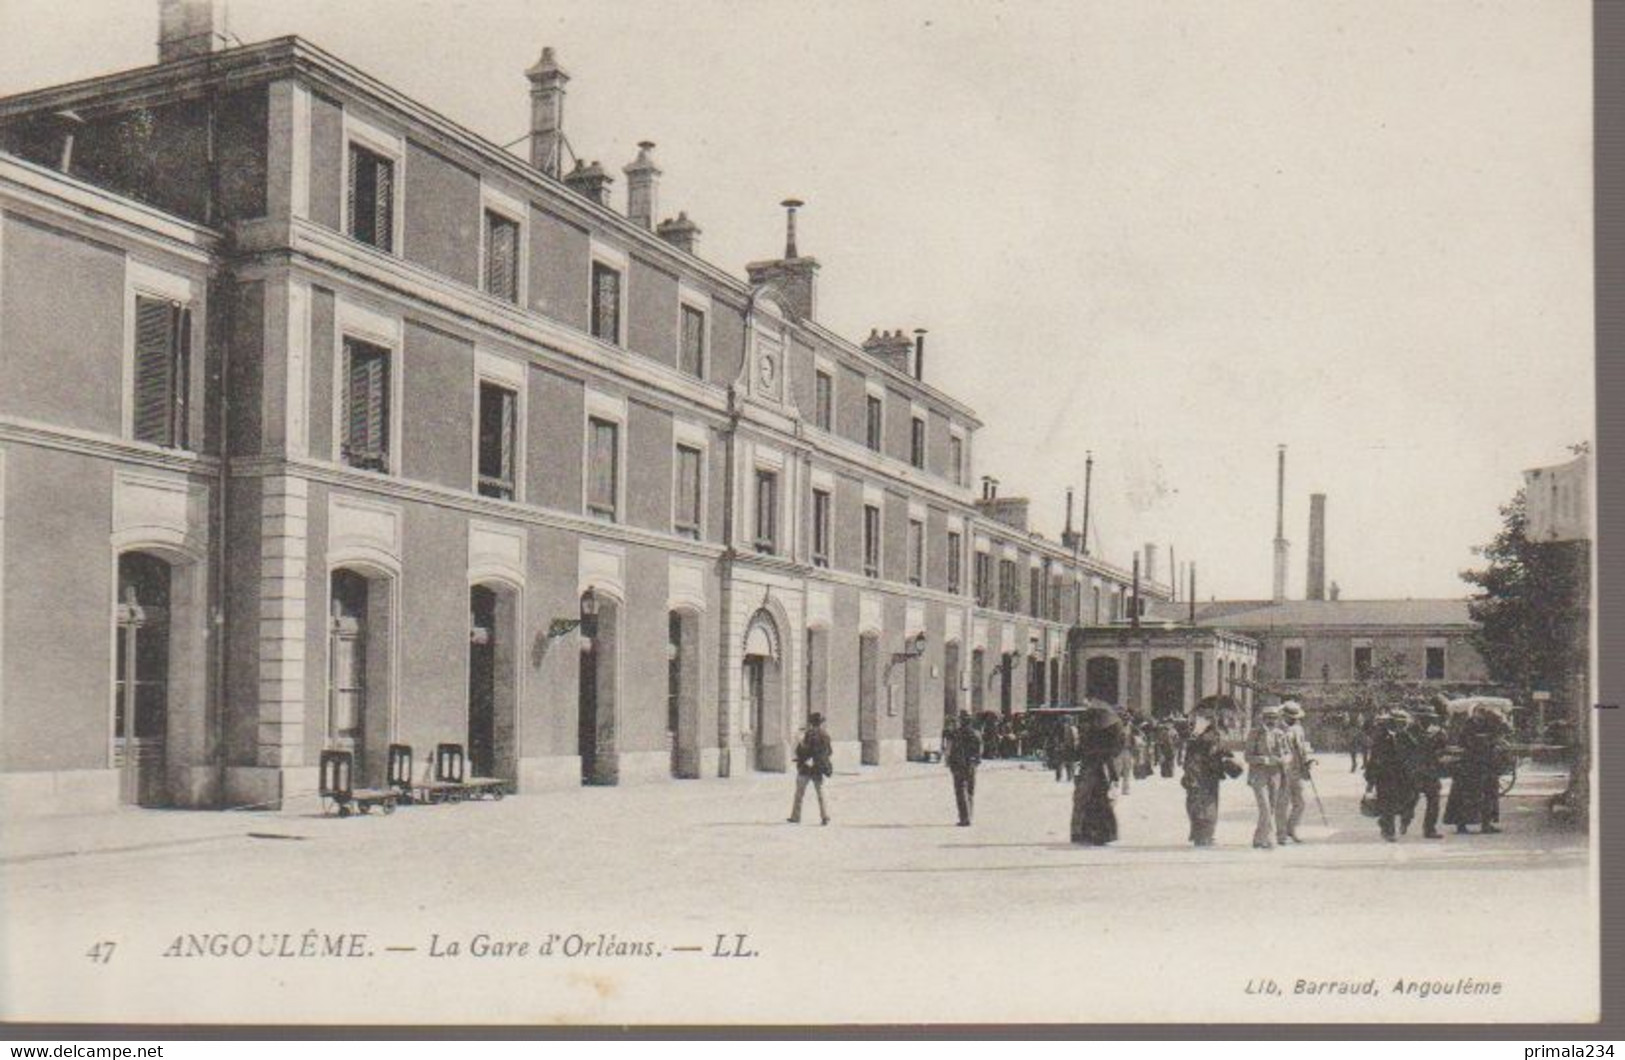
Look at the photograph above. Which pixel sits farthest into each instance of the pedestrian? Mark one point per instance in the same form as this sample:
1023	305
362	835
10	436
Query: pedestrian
1294	775
1206	764
1101	737
1427	768
812	765
964	754
1062	748
1167	747
1124	767
1389	769
1266	753
1475	782
1359	738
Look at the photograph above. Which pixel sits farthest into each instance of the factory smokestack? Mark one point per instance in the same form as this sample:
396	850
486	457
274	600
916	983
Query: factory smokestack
1316	588
1278	592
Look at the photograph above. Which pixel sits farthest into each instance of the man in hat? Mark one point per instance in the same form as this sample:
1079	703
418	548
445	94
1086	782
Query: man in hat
1427	767
1389	770
1266	758
1295	774
963	755
812	764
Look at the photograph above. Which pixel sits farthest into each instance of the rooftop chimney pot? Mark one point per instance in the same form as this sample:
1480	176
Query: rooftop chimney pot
187	28
547	81
642	187
680	233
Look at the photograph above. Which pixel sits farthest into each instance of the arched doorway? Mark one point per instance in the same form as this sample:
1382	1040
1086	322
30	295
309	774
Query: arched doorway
492	681
683	692
358	671
868	697
1167	686
1101	679
597	688
913	694
141	679
763	687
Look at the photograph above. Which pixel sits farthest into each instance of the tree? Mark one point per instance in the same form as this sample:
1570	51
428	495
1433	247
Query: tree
1531	595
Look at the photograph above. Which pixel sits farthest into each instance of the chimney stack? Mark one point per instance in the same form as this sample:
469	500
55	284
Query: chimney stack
1150	562
190	27
891	348
1316	589
796	277
919	354
680	233
642	187
547	81
1336	592
990	488
591	181
1278	592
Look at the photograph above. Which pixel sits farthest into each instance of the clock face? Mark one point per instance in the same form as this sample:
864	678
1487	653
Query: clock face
768	369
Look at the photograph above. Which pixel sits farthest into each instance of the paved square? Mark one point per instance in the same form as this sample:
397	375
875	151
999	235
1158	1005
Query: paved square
889	914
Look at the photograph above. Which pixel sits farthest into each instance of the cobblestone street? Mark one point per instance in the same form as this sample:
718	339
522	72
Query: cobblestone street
1003	920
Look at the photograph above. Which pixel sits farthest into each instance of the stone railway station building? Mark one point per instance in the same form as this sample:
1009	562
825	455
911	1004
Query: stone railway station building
326	423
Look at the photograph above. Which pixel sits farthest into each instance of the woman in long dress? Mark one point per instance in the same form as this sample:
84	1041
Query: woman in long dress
1205	759
1475	782
1100	742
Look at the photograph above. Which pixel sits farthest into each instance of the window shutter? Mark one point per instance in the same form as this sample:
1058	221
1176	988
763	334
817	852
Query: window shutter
182	373
509	407
155	364
351	198
367	408
384	203
502	258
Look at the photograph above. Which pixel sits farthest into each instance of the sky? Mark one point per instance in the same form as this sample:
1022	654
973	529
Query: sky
1172	234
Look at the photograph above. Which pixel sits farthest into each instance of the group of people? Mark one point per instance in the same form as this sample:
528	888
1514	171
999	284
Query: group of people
1407	757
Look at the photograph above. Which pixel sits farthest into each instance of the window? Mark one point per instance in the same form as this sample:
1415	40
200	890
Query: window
1009	591
767	511
1035	592
956	459
687	489
1293	667
692	358
820	528
871	540
366	406
1096	612
953	561
606	303
1435	664
984	580
498	411
163	355
603	469
916	443
1362	660
916	552
501	256
372	198
873	424
823	401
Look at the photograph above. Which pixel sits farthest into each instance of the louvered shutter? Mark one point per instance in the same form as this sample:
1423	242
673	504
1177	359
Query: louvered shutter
155	365
510	408
502	257
366	442
351	199
383	201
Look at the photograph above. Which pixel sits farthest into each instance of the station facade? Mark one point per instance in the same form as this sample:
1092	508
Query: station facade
326	423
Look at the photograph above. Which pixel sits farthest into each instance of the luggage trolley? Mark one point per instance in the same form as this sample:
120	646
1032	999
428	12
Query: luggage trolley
338	789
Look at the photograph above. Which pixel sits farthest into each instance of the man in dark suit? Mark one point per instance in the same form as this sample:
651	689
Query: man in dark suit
964	755
812	764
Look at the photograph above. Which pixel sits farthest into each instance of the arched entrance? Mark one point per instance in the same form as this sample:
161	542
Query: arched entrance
868	697
913	693
492	681
1101	679
1167	686
359	668
597	689
683	691
141	679
763	688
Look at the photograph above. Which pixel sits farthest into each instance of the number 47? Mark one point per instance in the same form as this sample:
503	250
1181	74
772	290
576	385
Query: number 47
102	952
